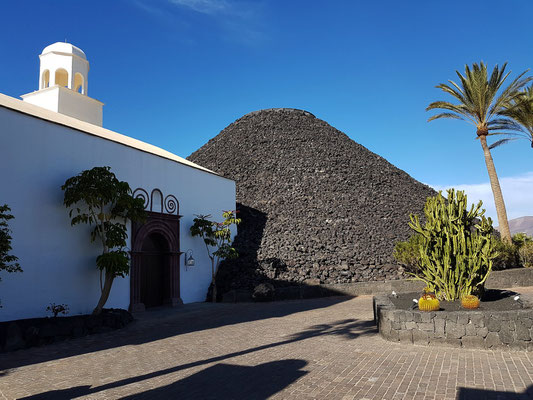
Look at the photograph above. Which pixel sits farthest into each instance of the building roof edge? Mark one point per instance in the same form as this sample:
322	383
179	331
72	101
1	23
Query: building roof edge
94	130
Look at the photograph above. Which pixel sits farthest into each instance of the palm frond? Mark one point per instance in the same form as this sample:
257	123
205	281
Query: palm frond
520	110
506	133
510	93
467	89
480	103
457	93
500	142
453	108
498	124
445	115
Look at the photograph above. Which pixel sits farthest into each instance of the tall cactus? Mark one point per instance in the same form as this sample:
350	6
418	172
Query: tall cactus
456	250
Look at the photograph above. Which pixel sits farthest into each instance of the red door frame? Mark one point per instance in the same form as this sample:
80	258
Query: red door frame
168	226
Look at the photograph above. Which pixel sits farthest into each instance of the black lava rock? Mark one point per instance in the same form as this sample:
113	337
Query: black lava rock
25	333
314	204
264	292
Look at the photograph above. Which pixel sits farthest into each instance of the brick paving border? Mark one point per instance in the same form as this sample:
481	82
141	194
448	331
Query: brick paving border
305	349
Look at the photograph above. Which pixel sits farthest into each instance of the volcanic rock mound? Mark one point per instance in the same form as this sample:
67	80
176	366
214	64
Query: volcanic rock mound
315	205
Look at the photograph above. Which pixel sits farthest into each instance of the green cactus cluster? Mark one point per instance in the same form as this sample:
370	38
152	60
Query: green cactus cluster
456	250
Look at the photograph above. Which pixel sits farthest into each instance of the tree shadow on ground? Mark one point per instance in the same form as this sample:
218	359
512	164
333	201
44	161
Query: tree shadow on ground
163	323
486	394
218	382
225	381
236	377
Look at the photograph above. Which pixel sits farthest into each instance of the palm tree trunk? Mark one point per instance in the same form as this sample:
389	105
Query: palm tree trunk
496	191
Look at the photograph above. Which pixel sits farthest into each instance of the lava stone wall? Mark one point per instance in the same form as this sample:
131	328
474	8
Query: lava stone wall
24	333
316	206
504	330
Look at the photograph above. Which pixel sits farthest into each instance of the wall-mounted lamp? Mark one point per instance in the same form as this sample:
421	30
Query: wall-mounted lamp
189	260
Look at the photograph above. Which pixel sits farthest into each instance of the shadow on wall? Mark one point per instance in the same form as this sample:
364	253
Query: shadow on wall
242	272
224	381
486	394
237	278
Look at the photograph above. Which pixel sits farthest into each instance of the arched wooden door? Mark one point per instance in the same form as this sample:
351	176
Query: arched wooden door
155	271
155	274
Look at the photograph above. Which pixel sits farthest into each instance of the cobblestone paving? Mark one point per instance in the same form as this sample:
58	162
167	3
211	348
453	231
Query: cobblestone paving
308	349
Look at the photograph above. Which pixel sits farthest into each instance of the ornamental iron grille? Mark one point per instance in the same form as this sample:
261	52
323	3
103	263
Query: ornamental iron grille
155	203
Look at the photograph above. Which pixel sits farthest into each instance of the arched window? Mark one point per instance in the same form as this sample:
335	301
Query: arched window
61	77
157	201
45	79
78	83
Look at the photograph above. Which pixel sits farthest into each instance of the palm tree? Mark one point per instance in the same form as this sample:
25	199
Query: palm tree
521	111
481	102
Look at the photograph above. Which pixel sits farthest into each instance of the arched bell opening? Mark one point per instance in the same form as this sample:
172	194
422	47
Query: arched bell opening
45	79
79	83
61	77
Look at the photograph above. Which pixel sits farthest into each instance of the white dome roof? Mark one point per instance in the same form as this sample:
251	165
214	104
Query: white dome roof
62	47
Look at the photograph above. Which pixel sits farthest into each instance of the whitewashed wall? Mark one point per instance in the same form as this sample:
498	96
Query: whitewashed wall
68	102
36	157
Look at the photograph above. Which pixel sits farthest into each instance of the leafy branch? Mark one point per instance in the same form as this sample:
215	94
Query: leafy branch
100	200
8	262
217	240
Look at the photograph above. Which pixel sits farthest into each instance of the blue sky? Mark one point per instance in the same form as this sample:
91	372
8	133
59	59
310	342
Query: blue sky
175	72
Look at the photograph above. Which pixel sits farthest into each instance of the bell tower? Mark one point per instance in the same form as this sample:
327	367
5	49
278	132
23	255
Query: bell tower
63	84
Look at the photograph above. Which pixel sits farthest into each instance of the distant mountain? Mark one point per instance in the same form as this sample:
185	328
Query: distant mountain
521	224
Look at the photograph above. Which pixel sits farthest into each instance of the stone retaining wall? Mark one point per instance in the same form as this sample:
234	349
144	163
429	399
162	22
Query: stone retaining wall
507	330
496	280
24	333
509	278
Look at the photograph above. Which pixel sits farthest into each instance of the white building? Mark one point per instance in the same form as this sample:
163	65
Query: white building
56	133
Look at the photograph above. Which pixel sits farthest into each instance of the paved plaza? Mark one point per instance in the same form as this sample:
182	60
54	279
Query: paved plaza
307	349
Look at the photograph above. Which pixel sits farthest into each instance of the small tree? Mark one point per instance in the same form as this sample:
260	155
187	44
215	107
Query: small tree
99	199
217	239
526	254
8	262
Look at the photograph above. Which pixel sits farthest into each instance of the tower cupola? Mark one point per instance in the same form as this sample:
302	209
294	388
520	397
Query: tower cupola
64	65
63	84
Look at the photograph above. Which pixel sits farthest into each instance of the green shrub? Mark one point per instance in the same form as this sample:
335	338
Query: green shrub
520	239
509	253
408	254
456	250
526	254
